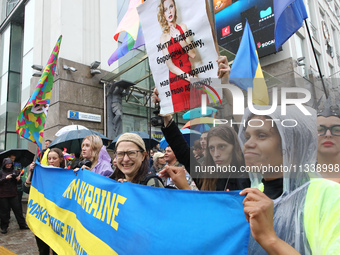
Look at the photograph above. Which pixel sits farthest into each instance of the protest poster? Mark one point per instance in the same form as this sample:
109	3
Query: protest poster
91	214
180	46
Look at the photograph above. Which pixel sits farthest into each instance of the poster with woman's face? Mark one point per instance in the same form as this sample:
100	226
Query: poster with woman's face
181	51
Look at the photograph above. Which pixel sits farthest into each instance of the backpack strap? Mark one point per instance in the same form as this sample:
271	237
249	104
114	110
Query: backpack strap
157	180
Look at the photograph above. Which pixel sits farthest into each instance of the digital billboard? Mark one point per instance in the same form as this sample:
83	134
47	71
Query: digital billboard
230	18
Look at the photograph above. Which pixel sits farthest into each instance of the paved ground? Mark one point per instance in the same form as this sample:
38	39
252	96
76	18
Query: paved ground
21	242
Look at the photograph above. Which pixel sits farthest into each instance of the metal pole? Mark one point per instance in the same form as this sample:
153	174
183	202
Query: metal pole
316	60
105	115
150	99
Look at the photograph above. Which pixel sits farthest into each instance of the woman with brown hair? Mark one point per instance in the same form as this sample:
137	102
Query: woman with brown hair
223	151
55	158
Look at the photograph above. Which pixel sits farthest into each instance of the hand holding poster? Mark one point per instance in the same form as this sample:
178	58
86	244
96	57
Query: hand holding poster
180	46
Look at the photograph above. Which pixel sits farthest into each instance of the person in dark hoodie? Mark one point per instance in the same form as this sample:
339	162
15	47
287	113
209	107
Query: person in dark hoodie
8	196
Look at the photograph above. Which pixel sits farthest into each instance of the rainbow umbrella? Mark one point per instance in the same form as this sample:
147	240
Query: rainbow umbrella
190	137
197	113
200	124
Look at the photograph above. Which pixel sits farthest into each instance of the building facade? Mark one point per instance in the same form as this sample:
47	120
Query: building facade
30	28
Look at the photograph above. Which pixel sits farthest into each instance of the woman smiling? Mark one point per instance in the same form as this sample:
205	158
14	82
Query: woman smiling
132	161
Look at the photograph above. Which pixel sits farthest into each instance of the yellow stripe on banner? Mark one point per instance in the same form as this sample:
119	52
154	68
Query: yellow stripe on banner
62	241
4	251
260	90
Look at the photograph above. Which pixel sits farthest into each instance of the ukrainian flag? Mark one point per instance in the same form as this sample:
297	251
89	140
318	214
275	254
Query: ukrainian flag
289	17
246	70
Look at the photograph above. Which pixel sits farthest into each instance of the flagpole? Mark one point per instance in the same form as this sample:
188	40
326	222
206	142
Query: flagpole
316	60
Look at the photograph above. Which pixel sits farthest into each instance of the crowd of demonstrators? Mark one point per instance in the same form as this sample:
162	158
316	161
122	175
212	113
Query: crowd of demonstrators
133	162
288	211
158	163
9	179
328	121
291	214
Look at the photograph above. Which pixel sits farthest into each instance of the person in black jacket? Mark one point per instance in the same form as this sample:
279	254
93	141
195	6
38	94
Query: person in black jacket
232	157
8	196
230	154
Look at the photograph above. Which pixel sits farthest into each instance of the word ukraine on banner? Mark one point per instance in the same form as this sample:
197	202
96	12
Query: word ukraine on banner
92	214
31	120
180	46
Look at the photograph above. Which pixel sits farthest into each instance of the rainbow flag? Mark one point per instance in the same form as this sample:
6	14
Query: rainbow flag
31	120
246	70
134	34
68	156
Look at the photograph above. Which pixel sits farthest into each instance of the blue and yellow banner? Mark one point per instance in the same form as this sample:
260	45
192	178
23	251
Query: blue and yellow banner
91	214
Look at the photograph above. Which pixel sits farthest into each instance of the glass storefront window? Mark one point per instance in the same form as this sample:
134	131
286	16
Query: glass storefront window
14	88
2	10
132	123
16	48
3	122
5	41
11	121
3	91
11	141
23	143
10	5
2	142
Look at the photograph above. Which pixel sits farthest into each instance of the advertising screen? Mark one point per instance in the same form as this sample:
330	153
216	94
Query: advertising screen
230	18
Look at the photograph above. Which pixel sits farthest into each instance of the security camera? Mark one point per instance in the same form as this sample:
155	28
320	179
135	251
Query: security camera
95	71
69	68
37	67
72	69
94	64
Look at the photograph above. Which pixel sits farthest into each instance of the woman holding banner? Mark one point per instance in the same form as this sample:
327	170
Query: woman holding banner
291	214
55	158
133	162
175	38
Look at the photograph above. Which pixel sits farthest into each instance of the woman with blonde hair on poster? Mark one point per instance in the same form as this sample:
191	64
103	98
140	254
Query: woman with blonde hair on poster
176	37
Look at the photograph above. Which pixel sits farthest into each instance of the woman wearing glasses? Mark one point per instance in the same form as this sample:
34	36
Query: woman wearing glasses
329	144
132	161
